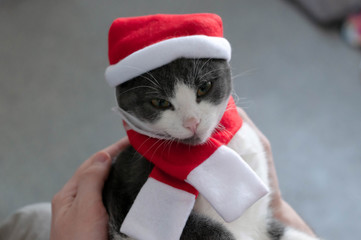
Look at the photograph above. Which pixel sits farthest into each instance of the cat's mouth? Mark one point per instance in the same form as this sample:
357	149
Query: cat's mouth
194	140
199	138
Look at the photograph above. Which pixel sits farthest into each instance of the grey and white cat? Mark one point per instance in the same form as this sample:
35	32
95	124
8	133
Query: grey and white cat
185	99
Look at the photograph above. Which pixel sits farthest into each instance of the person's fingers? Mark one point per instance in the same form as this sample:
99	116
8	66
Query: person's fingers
91	179
113	151
70	189
116	148
83	212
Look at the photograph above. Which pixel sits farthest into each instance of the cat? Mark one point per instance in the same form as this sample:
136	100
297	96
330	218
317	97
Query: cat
185	99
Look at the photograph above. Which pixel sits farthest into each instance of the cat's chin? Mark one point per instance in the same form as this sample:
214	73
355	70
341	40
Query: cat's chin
195	140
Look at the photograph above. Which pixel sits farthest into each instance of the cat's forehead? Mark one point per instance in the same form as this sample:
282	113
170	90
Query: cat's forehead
188	71
187	67
161	82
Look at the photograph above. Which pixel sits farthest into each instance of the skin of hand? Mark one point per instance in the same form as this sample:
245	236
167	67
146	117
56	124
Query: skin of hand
281	209
77	209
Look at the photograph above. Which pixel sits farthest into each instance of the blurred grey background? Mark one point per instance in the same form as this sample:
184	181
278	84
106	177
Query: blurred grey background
299	83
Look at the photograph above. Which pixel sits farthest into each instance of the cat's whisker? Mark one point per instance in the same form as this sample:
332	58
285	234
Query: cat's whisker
170	145
156	84
197	69
151	75
144	142
222	128
241	102
140	156
219	127
244	73
133	88
245	104
162	142
230	108
208	142
166	144
194	70
212	144
153	145
235	96
210	72
201	68
225	130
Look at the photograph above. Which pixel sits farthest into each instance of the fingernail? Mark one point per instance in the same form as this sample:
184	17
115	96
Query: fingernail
101	158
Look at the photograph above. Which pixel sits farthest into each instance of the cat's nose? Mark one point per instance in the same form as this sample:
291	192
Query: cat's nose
191	123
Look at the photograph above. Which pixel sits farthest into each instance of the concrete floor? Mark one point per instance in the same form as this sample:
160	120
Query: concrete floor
300	84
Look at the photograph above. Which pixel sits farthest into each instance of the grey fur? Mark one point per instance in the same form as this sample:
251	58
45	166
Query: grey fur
275	229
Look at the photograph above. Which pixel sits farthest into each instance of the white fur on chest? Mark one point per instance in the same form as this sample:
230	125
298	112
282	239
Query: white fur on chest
252	224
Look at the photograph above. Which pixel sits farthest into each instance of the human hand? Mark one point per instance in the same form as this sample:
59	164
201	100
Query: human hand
281	209
77	209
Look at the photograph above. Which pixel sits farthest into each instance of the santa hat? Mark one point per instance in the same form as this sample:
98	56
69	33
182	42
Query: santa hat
140	44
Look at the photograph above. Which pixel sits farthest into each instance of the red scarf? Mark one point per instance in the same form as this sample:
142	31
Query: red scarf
165	201
174	163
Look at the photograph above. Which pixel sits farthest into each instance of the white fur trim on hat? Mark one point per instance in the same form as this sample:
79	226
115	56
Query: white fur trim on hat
164	52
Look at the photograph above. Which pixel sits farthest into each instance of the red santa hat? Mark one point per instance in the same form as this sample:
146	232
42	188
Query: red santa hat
141	44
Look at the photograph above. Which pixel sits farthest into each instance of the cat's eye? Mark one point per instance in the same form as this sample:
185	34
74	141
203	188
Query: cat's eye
160	103
204	89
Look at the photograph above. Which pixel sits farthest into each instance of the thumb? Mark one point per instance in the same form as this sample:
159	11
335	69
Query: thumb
91	179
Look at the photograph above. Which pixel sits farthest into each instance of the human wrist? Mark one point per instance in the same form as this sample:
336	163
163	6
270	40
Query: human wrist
287	215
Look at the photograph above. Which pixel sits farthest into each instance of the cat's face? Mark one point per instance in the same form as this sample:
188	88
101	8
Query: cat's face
184	99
